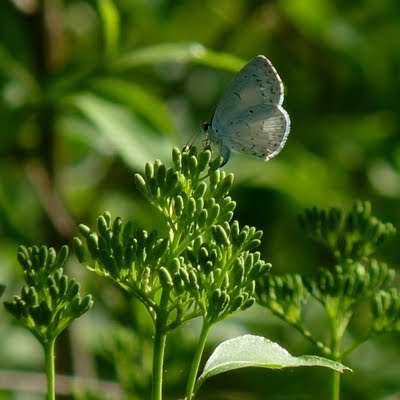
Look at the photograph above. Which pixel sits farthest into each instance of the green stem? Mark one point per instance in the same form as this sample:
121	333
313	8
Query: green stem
335	349
49	366
335	385
160	339
196	360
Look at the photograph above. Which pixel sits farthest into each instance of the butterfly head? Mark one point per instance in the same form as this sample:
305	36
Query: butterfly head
205	126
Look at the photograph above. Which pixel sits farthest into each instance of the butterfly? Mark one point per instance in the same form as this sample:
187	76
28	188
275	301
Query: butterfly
249	118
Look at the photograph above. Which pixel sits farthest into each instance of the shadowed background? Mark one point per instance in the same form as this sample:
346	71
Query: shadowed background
91	90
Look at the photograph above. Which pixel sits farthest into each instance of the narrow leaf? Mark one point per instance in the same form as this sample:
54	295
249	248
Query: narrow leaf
178	53
111	27
132	139
139	100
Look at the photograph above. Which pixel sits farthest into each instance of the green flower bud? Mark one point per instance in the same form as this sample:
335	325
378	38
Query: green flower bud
102	226
23	258
214	177
193	281
214	165
251	244
148	171
192	164
151	241
200	190
223	187
61	257
248	303
236	303
79	250
54	293
202	218
179	285
43	253
191	208
93	245
191	256
238	271
161	175
165	278
203	256
161	248
141	184
178	205
84	230
177	158
153	187
213	213
184	275
207	267
171	181
73	289
175	265
203	158
220	235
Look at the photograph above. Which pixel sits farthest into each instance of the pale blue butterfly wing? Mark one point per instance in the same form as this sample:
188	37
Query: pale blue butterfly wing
249	117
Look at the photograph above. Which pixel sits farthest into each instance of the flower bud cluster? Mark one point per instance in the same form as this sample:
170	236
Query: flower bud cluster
349	283
283	295
50	300
386	311
355	235
206	262
130	256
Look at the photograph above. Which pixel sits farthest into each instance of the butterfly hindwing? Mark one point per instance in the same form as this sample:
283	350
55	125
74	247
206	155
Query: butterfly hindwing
262	133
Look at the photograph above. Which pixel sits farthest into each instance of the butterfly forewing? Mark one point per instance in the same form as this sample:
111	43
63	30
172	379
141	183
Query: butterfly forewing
249	117
256	83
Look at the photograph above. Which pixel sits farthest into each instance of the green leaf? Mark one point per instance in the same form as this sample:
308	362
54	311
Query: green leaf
132	139
139	100
178	53
257	351
111	27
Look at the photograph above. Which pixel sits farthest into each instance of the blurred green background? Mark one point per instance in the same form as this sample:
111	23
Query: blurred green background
91	90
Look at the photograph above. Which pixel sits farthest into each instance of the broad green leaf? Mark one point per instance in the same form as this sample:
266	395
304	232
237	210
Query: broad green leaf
132	139
139	100
111	27
178	53
257	351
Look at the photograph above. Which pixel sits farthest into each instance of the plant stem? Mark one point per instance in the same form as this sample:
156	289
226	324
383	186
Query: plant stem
49	366
196	360
335	385
160	339
335	351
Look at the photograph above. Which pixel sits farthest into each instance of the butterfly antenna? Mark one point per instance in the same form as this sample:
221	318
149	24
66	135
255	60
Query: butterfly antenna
190	142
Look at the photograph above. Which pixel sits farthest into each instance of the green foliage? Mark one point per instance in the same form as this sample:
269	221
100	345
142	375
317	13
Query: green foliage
204	265
255	351
205	262
50	300
386	311
92	89
342	288
355	235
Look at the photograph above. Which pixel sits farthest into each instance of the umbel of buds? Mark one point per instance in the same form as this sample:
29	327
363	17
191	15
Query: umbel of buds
50	300
204	265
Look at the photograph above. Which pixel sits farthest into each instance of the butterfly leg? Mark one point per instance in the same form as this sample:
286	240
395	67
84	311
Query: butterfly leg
225	153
